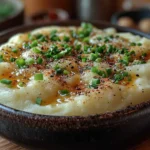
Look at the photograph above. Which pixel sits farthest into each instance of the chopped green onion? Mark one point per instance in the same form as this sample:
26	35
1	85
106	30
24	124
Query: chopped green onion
5	81
86	40
53	36
95	83
98	60
36	50
100	49
138	62
38	100
132	44
38	76
139	44
63	92
108	71
106	39
31	37
42	39
26	46
12	59
1	58
21	84
29	61
65	72
99	38
125	74
93	56
38	36
84	59
78	47
144	54
94	70
58	70
14	50
132	53
34	43
20	62
120	76
66	39
39	60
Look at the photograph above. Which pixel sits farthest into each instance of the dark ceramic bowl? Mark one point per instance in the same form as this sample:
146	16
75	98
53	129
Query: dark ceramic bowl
117	129
137	15
16	18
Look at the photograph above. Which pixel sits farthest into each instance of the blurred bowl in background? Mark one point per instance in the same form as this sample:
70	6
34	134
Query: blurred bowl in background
138	19
11	13
49	15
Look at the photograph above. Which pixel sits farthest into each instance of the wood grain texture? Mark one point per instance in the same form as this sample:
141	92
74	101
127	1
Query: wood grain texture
8	145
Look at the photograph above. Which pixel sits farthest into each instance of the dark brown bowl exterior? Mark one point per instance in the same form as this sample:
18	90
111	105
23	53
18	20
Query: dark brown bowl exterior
119	129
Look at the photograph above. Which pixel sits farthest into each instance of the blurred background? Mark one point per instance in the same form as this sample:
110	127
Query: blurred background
129	13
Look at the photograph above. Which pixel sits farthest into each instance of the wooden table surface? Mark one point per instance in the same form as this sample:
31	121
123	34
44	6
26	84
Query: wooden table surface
7	145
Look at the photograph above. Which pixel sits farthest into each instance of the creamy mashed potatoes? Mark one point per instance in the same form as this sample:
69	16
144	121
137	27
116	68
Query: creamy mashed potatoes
74	70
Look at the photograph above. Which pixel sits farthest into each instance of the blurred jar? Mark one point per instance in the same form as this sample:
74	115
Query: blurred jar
97	9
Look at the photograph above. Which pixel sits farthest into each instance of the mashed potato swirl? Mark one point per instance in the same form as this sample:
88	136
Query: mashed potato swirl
74	70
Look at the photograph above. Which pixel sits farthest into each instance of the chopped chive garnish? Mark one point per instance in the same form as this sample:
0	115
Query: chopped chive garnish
132	44
63	92
34	43
86	40
5	81
84	59
38	76
26	46
14	50
21	84
120	76
20	62
139	44
31	37
38	100
106	39
36	50
53	36
94	70
95	83
108	71
144	54
99	38
66	39
59	71
78	47
100	49
12	59
65	72
38	36
93	56
98	60
1	58
132	53
39	60
29	61
42	39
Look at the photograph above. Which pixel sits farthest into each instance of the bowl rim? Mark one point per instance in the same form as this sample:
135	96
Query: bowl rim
122	114
125	13
20	9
